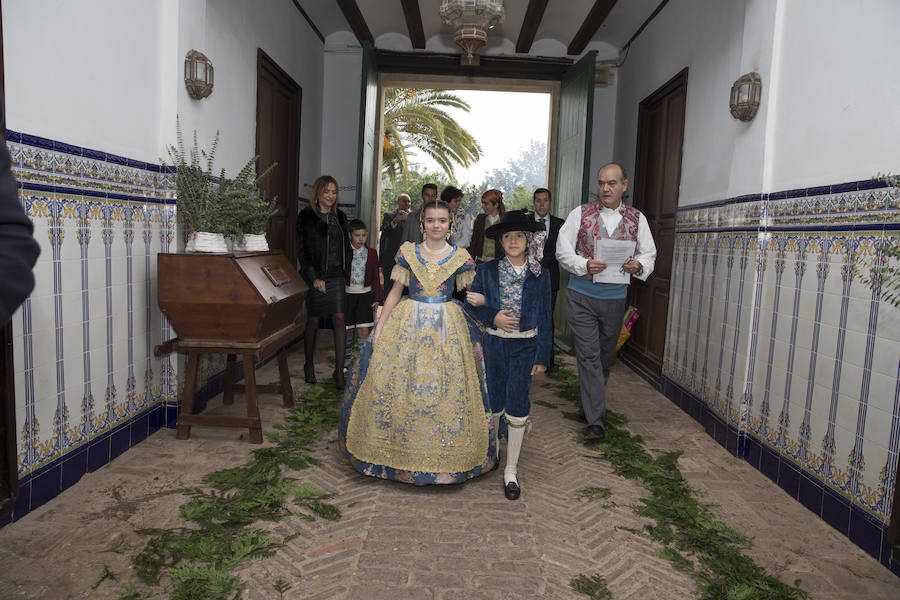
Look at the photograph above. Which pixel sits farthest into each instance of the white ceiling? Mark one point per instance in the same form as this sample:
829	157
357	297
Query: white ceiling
560	22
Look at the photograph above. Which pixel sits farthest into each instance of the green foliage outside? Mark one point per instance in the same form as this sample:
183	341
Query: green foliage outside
198	561
417	120
518	180
218	204
688	534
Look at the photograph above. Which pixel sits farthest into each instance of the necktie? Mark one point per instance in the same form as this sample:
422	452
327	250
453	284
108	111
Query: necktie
543	222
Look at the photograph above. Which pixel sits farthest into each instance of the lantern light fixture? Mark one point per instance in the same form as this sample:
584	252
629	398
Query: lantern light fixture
745	96
471	19
198	75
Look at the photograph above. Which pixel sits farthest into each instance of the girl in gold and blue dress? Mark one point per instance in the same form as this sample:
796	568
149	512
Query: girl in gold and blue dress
415	408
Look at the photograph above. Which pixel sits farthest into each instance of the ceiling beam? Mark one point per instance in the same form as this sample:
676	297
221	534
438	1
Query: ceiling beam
310	21
414	23
439	63
590	26
533	16
356	20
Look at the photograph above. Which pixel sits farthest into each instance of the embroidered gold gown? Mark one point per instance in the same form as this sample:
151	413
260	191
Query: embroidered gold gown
415	408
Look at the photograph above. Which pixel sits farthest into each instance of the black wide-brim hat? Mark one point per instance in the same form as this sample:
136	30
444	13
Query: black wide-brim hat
514	220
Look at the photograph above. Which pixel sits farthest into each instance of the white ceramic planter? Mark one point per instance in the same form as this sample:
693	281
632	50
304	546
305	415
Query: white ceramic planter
204	241
251	242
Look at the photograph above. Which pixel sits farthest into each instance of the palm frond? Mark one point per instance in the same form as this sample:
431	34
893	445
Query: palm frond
416	119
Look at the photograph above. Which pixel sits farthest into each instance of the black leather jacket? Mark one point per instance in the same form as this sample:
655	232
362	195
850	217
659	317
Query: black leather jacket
312	240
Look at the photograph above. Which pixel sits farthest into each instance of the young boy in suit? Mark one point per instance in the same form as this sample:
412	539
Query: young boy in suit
511	297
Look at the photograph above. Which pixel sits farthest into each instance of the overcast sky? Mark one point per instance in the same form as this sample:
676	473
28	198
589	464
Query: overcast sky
503	123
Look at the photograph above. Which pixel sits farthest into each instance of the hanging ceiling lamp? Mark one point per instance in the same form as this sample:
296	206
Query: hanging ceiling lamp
471	19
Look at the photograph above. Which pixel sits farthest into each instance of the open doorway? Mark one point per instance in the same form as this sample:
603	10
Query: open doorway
570	86
497	139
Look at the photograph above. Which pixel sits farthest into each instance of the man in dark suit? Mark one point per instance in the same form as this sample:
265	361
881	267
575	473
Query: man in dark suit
392	236
543	202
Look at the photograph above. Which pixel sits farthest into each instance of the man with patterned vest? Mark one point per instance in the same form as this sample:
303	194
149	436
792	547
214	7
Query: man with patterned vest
595	310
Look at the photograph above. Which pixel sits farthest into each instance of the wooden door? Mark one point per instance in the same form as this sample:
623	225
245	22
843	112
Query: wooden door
573	160
278	100
657	178
369	140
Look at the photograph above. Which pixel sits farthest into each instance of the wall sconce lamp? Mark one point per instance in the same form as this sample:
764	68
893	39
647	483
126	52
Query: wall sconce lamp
745	95
198	75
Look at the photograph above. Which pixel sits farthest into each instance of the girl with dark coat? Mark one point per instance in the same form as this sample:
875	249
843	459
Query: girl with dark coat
323	248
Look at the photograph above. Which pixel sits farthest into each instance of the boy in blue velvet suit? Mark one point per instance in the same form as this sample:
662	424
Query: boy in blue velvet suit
511	297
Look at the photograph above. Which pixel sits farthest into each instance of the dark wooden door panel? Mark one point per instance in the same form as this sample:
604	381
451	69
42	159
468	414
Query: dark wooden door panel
657	179
278	100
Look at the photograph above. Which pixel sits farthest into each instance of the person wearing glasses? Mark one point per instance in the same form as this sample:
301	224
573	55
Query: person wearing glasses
594	310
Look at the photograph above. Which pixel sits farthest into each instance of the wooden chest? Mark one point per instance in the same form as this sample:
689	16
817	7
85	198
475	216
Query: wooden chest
241	296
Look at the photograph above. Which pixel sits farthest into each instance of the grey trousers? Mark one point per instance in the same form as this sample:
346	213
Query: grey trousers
595	328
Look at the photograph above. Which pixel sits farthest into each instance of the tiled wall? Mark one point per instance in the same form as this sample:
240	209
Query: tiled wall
788	358
87	384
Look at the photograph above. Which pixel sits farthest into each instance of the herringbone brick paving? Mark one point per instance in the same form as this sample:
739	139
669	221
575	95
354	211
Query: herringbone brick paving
464	542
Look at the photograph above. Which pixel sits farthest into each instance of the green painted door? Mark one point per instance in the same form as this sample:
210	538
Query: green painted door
368	137
573	161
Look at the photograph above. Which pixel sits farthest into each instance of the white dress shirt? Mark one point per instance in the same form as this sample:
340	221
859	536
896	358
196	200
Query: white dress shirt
546	222
644	252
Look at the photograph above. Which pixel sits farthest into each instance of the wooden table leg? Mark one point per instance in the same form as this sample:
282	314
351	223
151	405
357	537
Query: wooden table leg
287	391
182	430
230	366
250	393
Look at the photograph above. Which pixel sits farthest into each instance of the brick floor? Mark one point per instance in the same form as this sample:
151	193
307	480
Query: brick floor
465	542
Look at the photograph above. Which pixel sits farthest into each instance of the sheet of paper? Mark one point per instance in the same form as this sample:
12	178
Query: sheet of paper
614	253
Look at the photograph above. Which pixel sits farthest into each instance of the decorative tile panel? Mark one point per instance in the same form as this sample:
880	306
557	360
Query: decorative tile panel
773	329
88	331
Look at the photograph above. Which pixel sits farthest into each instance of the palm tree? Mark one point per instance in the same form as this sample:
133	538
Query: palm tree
416	119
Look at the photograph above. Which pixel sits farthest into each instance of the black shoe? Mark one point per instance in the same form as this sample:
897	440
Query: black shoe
339	382
594	433
511	491
309	373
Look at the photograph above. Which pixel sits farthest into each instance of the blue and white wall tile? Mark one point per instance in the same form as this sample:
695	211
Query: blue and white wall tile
773	329
84	339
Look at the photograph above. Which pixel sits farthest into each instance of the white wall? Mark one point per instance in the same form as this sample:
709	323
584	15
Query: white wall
603	132
837	115
87	73
830	83
229	33
108	74
340	114
707	37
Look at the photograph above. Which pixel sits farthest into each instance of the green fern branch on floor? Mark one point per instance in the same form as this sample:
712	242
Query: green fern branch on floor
200	560
690	537
594	587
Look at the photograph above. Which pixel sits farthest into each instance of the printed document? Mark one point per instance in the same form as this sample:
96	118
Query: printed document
614	253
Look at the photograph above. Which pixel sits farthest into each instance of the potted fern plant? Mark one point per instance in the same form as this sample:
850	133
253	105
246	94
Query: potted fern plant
244	211
215	206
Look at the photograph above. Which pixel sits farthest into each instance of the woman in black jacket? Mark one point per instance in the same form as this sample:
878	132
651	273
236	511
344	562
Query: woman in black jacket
323	247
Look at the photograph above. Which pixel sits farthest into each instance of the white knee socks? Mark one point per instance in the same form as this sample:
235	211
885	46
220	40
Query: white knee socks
513	447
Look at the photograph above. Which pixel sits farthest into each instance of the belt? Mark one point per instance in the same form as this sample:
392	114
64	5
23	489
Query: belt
513	334
431	299
358	288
